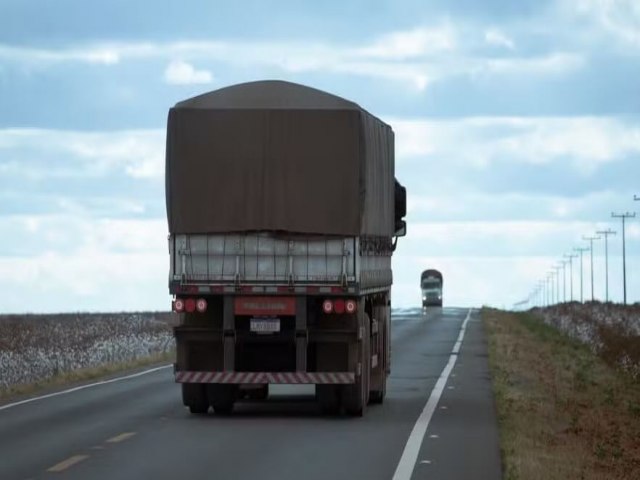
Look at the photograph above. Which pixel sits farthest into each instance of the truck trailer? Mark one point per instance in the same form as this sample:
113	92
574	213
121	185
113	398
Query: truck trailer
431	284
283	213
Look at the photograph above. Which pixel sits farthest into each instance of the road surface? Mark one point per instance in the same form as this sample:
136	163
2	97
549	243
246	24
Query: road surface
437	422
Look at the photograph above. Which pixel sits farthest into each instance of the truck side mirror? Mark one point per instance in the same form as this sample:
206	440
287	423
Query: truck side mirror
401	229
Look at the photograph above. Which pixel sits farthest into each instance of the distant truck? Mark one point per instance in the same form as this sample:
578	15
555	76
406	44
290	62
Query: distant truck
283	213
431	286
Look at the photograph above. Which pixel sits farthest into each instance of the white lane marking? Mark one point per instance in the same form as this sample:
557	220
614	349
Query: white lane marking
82	387
407	463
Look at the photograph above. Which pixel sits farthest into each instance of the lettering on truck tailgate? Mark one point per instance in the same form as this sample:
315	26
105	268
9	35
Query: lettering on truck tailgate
265	306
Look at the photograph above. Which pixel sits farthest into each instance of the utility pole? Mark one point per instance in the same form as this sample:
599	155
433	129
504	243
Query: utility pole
571	257
541	293
605	234
556	269
547	295
624	216
546	290
590	240
581	251
564	280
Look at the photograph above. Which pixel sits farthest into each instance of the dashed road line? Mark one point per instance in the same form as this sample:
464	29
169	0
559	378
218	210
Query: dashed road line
68	463
121	438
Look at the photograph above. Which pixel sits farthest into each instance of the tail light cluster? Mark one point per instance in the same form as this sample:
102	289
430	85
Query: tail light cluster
339	306
189	305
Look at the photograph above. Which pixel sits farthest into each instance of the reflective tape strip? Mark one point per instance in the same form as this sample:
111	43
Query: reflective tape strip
265	377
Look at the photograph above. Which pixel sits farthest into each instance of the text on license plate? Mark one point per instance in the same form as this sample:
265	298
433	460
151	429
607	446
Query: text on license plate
261	325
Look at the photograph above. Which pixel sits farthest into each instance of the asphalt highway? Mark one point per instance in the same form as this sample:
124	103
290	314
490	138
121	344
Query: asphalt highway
437	422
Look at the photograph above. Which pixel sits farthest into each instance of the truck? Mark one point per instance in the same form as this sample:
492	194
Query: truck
431	283
283	214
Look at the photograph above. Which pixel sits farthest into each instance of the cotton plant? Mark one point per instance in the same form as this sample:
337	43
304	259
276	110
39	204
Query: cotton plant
610	330
34	348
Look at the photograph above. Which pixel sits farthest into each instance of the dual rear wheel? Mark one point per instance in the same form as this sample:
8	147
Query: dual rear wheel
199	397
353	397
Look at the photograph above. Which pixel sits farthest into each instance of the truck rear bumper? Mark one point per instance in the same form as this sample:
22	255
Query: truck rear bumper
293	378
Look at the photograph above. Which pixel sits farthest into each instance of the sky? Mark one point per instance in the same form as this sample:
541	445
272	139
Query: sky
517	134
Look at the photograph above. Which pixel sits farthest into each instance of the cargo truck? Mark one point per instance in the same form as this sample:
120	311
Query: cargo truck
431	283
283	213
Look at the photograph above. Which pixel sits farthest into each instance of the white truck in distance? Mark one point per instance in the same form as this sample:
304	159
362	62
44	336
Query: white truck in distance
431	283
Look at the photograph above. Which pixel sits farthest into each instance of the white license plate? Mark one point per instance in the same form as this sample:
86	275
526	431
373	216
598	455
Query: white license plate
260	325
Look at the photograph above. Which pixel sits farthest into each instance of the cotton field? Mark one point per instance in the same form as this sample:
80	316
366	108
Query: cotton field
611	330
37	347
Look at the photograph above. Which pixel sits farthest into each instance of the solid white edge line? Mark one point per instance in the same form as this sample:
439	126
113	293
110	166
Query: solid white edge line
83	387
407	462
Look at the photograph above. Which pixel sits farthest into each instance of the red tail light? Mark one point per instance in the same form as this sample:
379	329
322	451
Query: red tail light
351	306
190	305
327	306
178	305
201	305
338	306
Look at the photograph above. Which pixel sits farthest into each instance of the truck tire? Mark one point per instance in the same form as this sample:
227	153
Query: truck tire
328	397
222	398
377	396
356	396
194	396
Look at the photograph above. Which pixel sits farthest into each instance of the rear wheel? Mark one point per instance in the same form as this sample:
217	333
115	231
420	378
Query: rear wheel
222	397
378	373
356	396
329	398
194	396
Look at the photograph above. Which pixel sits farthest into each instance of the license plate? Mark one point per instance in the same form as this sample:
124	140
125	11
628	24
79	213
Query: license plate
261	325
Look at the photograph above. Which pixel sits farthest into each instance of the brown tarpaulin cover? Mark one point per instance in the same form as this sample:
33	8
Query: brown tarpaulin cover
278	156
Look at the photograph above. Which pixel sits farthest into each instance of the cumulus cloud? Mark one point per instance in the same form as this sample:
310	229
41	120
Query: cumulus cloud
618	18
179	72
417	56
496	38
587	142
43	153
71	260
418	42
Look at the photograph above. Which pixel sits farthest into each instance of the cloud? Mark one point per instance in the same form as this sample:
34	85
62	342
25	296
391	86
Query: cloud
430	205
418	42
64	262
586	142
94	54
496	38
43	153
183	73
417	57
619	19
551	64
